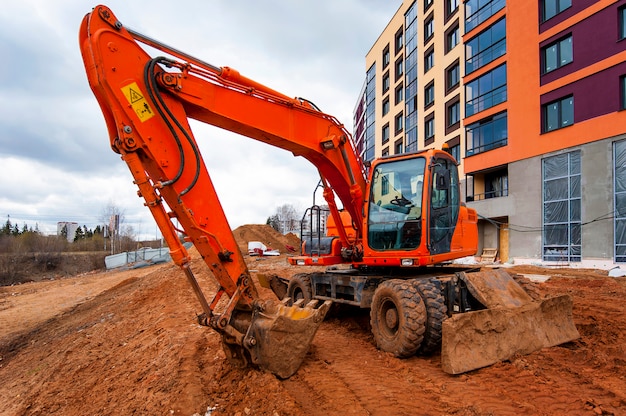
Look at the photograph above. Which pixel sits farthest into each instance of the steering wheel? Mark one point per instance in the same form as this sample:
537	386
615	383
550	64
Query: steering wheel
402	201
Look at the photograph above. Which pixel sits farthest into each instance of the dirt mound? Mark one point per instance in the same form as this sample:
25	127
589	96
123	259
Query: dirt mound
266	235
136	348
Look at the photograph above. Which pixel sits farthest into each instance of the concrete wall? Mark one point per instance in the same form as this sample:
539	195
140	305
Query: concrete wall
597	199
525	218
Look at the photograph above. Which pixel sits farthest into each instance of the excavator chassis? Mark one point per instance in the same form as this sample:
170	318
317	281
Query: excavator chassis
477	318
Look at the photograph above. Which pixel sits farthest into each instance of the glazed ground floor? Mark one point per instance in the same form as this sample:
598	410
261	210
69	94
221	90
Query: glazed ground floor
562	208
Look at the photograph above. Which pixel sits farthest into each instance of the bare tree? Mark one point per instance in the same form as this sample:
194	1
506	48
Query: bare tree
113	219
287	218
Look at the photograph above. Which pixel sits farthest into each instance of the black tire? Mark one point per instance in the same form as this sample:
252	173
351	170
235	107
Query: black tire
300	288
430	290
398	318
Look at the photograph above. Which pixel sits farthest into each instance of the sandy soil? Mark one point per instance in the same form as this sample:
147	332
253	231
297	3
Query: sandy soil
128	343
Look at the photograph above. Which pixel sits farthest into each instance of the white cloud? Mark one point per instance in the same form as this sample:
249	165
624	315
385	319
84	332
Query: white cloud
54	148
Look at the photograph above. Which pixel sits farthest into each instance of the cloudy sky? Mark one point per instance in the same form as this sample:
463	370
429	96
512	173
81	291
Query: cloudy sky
55	159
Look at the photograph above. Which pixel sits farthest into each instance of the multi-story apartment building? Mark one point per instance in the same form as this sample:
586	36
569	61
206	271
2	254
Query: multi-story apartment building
530	97
412	97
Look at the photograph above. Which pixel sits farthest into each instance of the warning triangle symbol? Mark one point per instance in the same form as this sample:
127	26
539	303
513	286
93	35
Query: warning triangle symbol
134	96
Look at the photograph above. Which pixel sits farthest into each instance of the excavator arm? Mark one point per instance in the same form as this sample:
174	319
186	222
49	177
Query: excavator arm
146	104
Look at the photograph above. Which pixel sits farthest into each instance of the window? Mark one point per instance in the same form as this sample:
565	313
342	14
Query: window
429	95
453	113
452	37
398	122
478	11
451	7
411	136
389	229
385	133
622	84
398	94
619	200
411	105
370	115
429	28
429	129
399	68
487	46
384	185
385	106
497	184
557	54
455	151
553	7
429	59
386	56
562	228
427	4
453	76
558	114
399	40
486	91
385	152
487	134
398	147
386	82
622	22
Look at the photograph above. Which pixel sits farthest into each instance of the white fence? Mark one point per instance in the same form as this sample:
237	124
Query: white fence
134	259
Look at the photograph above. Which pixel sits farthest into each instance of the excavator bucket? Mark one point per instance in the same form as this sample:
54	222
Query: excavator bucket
282	334
512	324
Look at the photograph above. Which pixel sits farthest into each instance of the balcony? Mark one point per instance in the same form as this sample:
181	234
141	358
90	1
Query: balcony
487	134
488	195
485	101
486	147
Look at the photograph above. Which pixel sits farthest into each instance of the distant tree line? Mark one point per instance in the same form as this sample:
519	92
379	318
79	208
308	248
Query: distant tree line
83	233
29	239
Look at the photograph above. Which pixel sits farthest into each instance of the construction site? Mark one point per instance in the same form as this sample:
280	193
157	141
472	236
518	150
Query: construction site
128	342
381	305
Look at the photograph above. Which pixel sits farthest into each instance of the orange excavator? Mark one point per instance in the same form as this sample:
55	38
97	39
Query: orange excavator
393	227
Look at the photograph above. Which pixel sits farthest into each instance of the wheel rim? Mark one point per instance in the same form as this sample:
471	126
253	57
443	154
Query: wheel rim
389	317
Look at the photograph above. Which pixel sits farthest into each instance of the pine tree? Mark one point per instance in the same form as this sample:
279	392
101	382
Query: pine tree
6	229
79	234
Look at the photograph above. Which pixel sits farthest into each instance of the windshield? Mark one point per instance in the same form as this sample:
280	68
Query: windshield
395	204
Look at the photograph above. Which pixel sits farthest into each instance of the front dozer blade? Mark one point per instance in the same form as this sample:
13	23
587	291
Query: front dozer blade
282	335
513	324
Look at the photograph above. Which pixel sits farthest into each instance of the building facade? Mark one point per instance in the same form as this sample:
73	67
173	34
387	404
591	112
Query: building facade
67	228
530	97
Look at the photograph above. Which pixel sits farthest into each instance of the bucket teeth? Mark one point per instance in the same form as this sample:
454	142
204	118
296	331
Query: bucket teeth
282	335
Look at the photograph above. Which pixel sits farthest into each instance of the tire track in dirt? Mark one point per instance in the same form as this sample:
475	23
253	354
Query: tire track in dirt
345	373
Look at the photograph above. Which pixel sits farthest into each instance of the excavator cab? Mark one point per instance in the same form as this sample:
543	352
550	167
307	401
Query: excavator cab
414	211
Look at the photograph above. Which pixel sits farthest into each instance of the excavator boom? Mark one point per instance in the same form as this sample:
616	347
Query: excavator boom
146	104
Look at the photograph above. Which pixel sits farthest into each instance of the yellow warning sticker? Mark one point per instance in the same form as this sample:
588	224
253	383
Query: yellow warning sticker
138	102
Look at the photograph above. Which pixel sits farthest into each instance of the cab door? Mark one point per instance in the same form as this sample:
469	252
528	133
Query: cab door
444	204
